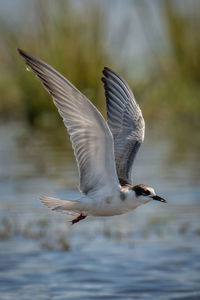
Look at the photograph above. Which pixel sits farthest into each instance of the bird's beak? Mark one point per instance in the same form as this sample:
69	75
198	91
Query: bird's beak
159	199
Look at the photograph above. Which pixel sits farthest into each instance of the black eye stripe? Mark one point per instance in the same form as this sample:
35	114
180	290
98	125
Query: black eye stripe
146	193
140	191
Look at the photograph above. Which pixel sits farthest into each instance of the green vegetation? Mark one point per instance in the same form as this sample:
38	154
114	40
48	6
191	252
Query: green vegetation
73	41
175	95
73	45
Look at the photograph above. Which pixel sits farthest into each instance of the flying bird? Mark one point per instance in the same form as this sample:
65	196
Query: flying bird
104	151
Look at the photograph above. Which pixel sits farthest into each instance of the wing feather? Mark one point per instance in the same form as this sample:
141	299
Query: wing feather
125	121
90	135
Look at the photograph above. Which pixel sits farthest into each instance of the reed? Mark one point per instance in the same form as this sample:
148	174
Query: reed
72	45
73	41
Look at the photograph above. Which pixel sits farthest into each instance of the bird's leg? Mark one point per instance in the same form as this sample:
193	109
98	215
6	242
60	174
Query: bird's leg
79	218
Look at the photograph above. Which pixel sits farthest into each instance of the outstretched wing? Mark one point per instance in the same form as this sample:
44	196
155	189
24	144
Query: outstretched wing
125	121
91	138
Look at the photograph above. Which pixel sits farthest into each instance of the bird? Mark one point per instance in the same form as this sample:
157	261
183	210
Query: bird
105	150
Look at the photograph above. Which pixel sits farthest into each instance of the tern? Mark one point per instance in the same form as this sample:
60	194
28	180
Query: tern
104	151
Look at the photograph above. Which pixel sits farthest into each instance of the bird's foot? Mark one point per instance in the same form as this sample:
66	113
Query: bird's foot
77	219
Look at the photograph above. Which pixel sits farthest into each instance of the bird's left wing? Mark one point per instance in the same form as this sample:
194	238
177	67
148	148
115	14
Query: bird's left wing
125	121
91	138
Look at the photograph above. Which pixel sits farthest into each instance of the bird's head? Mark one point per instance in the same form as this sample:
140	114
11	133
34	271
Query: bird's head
146	193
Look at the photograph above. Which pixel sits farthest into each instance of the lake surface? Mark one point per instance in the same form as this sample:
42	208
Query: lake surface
150	253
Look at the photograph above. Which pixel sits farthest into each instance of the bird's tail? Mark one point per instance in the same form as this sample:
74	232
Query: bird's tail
71	207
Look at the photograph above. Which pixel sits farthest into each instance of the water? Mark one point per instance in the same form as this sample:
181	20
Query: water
151	253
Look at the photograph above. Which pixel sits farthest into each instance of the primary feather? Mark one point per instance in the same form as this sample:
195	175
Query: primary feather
91	138
125	121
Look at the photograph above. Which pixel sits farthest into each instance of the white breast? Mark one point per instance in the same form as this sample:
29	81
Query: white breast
120	203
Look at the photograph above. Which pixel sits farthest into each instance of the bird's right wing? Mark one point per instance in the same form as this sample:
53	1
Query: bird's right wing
91	138
125	121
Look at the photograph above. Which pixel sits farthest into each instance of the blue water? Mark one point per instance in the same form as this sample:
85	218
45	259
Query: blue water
150	253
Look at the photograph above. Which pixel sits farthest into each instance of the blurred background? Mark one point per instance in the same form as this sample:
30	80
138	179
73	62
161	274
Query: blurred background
151	253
